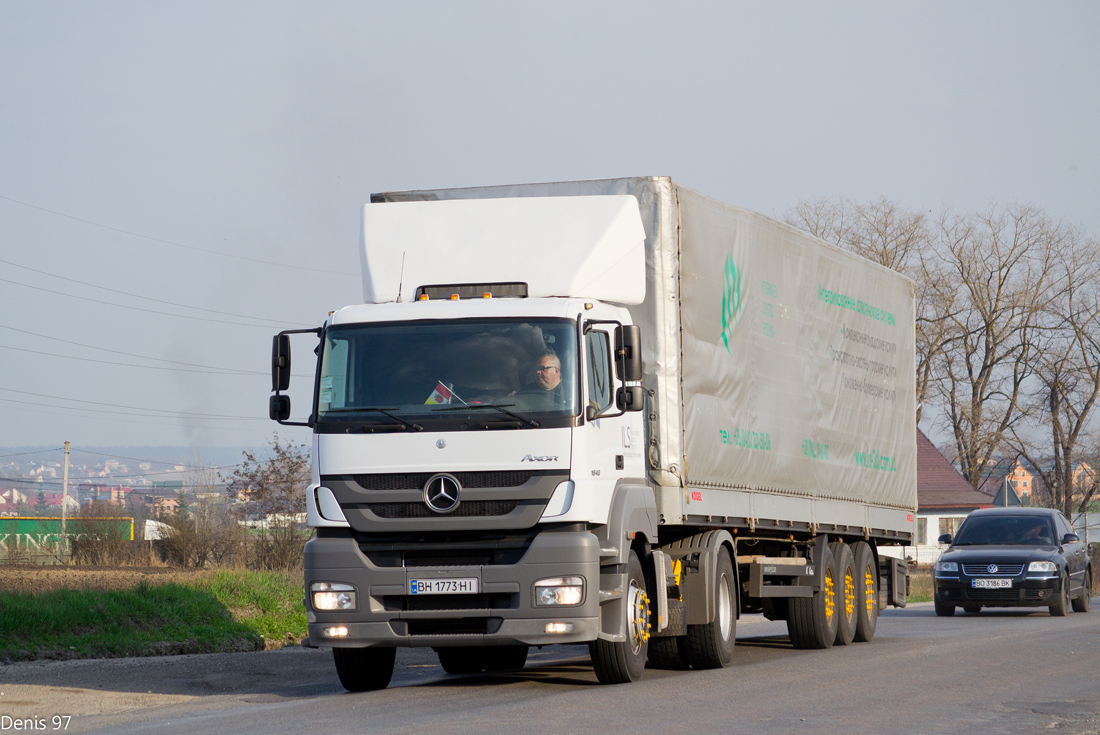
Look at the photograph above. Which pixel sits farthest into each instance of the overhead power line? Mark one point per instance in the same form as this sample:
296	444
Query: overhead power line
135	308
130	364
40	451
170	242
150	298
151	411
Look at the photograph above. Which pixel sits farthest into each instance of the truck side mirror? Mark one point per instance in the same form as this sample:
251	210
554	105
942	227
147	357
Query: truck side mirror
278	408
280	363
630	398
945	539
628	352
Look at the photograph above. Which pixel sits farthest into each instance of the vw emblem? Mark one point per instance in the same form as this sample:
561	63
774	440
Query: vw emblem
441	493
992	569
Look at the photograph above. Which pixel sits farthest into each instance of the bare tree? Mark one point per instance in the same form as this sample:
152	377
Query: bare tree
1062	428
271	493
995	275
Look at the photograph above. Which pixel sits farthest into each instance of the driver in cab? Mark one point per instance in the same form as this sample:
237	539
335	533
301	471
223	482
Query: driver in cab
547	391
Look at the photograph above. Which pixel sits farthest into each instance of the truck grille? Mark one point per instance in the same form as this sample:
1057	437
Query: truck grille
459	626
982	570
417	480
424	603
478	508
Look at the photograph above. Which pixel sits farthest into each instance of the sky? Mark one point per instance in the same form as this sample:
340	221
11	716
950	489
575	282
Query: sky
180	181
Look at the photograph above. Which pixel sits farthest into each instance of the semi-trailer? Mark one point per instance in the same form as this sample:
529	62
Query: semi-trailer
615	412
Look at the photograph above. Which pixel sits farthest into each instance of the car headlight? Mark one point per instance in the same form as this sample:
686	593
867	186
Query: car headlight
1042	566
947	566
333	596
559	591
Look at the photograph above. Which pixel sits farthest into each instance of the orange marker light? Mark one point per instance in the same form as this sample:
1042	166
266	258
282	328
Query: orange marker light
423	297
486	295
454	297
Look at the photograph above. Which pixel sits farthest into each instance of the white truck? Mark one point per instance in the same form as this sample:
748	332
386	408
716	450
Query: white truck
612	412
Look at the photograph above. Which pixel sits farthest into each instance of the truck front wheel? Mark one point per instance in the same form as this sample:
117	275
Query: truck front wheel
364	669
624	661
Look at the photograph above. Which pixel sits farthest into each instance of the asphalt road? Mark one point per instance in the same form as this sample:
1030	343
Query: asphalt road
999	672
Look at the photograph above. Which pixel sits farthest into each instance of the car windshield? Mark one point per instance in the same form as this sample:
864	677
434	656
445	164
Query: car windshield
1021	529
515	370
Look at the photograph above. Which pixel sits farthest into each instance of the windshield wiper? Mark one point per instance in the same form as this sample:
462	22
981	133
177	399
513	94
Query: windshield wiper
471	406
383	411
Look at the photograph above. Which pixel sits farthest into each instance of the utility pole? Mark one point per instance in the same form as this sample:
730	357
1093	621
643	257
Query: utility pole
64	500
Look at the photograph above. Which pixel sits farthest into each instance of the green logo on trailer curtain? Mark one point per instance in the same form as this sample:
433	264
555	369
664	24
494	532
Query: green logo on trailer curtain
732	300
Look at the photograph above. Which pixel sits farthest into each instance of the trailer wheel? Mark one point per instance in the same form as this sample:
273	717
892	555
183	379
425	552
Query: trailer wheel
710	646
462	659
505	658
364	669
668	652
866	591
847	602
624	661
812	621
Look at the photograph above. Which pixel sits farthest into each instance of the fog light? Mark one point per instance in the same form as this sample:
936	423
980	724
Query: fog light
559	591
337	631
333	596
559	627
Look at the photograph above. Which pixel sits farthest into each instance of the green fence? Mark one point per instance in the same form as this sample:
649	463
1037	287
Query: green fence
38	540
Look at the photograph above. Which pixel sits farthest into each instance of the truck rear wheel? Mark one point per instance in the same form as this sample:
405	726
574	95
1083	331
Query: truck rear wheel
812	621
710	646
364	669
847	602
462	659
668	653
866	591
624	661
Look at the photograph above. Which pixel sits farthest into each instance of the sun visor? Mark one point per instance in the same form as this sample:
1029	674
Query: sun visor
568	246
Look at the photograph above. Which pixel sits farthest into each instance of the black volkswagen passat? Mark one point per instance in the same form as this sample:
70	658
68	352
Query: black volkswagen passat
1013	557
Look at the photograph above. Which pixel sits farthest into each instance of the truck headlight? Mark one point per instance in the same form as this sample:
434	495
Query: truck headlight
1042	566
559	591
947	566
333	596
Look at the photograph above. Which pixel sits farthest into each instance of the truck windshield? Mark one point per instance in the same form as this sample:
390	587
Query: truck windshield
412	374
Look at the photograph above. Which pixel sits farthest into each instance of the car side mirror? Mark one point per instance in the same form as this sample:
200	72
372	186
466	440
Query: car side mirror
278	408
1070	538
628	352
630	398
945	539
280	362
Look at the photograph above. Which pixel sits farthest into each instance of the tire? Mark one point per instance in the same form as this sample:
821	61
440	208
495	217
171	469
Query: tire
866	591
944	610
668	653
505	658
972	609
624	661
462	659
846	593
1061	606
812	621
1083	601
710	646
364	669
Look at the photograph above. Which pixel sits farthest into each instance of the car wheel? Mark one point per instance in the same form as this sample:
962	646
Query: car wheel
944	610
1083	601
1061	607
972	609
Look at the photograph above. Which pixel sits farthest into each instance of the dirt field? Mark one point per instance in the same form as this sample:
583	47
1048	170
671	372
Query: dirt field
43	578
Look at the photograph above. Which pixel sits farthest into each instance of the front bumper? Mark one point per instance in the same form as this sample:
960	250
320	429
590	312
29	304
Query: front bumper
502	613
1030	591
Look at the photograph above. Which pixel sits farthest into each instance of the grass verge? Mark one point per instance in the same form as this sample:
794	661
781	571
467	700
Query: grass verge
228	610
920	584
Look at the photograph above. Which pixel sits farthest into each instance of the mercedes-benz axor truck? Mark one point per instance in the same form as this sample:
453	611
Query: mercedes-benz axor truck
617	413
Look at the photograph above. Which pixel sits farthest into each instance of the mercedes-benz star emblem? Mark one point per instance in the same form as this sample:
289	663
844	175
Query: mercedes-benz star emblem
441	493
992	569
